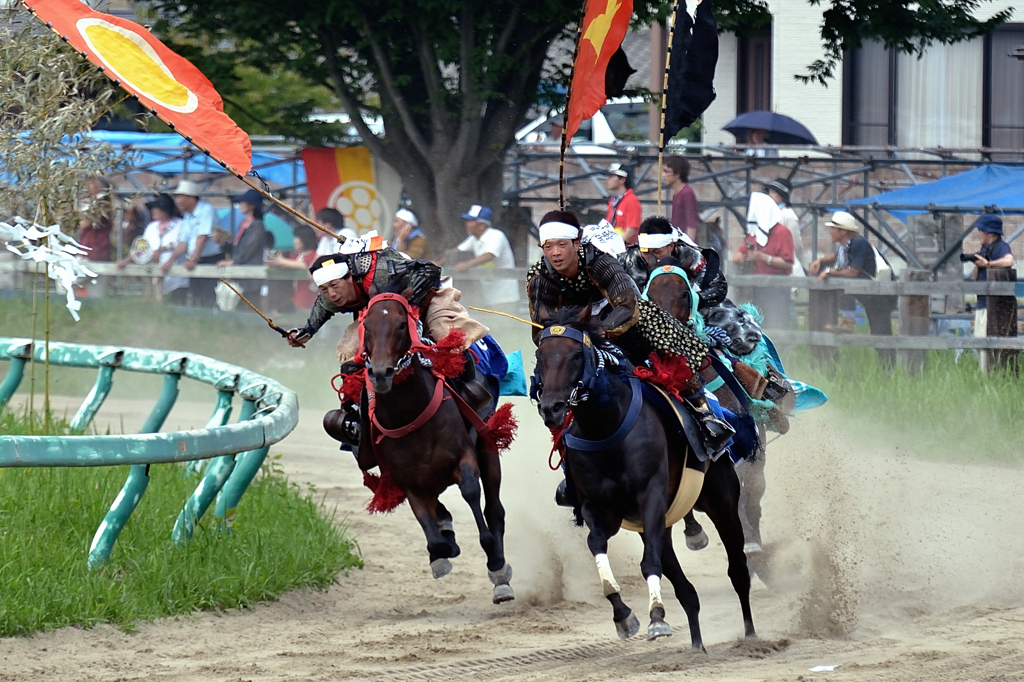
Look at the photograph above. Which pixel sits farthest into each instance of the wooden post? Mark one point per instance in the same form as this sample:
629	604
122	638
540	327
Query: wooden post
915	319
822	310
1002	320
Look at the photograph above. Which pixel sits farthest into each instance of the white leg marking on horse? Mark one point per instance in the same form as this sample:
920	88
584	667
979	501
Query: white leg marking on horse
654	585
604	569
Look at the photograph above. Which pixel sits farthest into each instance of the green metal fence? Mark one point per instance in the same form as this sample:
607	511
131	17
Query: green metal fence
268	413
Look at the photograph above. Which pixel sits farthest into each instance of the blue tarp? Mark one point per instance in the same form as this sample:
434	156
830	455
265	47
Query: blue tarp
163	156
992	185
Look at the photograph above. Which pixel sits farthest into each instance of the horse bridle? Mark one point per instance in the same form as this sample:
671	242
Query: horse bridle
593	364
415	343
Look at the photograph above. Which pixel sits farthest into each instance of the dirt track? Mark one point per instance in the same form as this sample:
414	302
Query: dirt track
890	566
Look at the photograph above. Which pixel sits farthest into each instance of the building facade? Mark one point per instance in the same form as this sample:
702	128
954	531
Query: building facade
968	95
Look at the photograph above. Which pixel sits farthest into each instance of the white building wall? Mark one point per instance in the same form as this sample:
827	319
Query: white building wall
723	109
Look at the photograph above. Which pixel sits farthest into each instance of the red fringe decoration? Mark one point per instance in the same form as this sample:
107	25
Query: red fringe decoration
351	386
556	443
671	373
447	356
386	493
501	428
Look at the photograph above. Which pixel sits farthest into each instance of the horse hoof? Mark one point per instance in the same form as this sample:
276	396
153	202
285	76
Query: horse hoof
440	568
501	577
503	593
657	630
628	627
698	541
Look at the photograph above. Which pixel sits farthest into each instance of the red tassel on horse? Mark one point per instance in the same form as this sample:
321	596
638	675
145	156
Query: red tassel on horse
501	428
352	386
671	373
447	355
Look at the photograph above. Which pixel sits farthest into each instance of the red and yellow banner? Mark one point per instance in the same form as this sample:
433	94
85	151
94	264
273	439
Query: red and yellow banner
349	180
165	82
604	26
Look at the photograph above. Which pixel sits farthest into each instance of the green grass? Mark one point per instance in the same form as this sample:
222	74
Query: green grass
282	539
949	411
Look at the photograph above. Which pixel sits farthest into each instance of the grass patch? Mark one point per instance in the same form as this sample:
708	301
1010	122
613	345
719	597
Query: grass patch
25	423
282	539
950	411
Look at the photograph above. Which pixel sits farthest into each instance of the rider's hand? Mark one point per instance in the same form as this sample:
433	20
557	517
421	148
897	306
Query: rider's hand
297	338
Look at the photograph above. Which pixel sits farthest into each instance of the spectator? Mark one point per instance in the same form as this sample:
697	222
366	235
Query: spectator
408	238
624	211
779	190
489	248
162	236
854	258
305	244
248	244
196	240
994	253
97	222
769	245
332	218
756	139
685	210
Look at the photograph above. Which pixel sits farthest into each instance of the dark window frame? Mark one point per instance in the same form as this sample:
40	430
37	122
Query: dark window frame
746	81
988	58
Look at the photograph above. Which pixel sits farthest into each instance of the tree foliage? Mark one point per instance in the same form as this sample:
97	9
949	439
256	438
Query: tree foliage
453	79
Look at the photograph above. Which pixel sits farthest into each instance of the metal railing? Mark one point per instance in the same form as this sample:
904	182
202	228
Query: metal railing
269	412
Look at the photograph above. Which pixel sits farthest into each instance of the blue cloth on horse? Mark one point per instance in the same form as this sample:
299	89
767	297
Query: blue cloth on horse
514	381
807	396
490	359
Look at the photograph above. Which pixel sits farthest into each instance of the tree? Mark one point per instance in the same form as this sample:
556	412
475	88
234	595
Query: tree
454	79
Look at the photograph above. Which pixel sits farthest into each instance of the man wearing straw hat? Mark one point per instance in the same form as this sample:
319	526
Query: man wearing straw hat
196	241
854	258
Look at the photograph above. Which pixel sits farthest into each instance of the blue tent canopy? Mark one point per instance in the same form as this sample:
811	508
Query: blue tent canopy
991	185
163	155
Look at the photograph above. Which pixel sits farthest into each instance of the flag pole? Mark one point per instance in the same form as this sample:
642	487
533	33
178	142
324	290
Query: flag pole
565	112
188	139
664	97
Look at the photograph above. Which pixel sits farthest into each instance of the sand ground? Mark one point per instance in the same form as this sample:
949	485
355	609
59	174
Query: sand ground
883	563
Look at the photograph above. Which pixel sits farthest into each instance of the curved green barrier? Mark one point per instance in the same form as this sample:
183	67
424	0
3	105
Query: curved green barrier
269	413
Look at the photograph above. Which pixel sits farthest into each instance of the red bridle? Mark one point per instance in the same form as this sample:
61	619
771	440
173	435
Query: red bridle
412	317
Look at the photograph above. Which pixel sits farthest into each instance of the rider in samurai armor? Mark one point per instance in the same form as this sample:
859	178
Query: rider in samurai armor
573	274
348	280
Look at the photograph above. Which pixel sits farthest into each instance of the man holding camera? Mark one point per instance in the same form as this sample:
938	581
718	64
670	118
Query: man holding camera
994	253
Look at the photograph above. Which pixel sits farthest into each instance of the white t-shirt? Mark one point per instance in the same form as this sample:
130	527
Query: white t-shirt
792	223
494	242
167	242
198	223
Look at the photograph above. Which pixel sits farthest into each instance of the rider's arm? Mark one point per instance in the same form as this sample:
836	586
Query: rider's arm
713	291
321	311
621	292
535	285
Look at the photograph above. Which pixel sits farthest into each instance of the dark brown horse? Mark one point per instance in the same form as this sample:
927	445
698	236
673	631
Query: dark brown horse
428	443
627	466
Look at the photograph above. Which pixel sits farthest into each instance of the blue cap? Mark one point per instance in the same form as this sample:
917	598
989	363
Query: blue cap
477	212
250	197
989	222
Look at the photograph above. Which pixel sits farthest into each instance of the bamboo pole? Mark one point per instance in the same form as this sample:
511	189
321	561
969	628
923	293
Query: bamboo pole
664	97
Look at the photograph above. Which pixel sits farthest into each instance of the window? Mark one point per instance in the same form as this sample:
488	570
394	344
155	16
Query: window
1003	118
754	82
869	75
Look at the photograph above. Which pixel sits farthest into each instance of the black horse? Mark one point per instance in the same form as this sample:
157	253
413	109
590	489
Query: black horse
626	460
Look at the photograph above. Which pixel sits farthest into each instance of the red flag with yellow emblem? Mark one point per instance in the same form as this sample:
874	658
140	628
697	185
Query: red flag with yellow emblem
165	82
605	23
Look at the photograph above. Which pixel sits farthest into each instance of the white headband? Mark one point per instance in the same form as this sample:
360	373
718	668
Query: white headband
655	241
556	230
408	216
328	273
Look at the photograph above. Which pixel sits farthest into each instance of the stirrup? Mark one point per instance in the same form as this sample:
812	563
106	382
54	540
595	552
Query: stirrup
717	432
562	495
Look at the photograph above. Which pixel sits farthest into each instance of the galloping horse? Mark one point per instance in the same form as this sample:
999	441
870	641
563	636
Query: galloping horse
430	439
627	461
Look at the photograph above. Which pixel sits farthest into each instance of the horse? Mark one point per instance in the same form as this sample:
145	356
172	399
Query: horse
429	438
627	462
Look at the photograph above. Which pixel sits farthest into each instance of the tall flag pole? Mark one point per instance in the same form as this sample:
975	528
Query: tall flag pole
690	62
603	26
164	82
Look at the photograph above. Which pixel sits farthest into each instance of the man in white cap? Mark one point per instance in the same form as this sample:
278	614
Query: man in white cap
854	258
624	210
489	248
407	235
198	219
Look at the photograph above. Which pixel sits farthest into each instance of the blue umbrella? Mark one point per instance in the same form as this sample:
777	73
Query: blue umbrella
781	129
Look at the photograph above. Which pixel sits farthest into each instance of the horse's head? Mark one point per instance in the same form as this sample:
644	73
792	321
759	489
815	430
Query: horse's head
743	330
387	329
566	363
669	289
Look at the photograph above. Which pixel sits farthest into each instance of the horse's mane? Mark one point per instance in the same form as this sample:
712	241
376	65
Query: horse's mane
569	317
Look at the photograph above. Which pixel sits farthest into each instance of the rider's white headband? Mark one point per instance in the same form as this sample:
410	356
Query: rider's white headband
408	216
655	241
329	271
556	230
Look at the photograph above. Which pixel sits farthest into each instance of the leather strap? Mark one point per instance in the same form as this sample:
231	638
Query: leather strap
416	424
636	402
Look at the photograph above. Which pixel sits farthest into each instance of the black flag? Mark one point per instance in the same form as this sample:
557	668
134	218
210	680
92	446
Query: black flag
617	74
691	71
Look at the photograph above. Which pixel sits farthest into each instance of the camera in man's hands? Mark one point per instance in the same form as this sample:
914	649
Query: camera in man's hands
968	257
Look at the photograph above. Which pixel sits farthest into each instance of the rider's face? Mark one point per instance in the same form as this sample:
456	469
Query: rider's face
562	254
340	292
